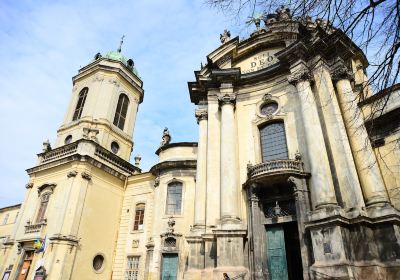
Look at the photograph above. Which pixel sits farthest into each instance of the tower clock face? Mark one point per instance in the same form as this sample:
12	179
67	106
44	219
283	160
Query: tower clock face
269	108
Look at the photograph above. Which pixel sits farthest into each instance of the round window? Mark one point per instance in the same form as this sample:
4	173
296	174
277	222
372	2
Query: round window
68	139
114	147
98	261
269	108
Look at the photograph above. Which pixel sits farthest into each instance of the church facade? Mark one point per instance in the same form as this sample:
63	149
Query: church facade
294	176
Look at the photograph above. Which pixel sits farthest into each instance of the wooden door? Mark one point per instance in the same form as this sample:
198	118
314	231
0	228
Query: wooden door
23	274
169	267
276	253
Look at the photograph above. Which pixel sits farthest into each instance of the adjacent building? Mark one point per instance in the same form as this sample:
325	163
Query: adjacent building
295	175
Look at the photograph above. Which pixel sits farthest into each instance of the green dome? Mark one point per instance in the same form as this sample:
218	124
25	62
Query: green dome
116	55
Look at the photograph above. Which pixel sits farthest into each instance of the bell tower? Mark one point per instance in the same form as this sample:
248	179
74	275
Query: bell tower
106	94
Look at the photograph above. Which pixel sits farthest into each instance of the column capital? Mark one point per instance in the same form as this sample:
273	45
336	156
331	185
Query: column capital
341	72
297	76
201	114
227	99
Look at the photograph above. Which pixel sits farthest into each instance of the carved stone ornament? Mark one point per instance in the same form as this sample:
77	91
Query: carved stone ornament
227	99
171	224
341	72
29	185
135	243
201	114
157	181
19	248
46	186
325	25
267	97
283	13
90	133
137	158
86	176
297	156
98	78
225	37
166	138
114	81
46	146
298	76
72	173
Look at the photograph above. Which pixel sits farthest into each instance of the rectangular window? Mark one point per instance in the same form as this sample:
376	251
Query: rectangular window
174	198
139	217
132	268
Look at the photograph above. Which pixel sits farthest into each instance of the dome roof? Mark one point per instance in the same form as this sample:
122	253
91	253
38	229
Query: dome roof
117	55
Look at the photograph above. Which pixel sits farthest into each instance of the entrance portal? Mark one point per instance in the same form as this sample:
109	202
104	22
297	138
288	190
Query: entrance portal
283	252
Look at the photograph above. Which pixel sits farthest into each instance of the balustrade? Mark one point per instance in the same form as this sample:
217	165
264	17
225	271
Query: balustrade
276	166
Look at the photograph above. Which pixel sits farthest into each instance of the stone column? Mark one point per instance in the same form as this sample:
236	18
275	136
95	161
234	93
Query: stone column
229	185
370	176
300	193
257	231
322	189
343	163
201	172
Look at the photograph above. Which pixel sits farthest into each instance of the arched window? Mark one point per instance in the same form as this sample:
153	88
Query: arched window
81	102
122	109
44	201
139	216
273	141
174	198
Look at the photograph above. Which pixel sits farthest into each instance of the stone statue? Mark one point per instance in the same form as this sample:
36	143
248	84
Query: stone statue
166	138
225	37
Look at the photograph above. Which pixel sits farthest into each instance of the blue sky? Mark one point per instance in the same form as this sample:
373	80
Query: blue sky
44	43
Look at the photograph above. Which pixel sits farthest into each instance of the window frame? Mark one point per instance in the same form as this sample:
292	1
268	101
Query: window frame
129	269
175	213
138	220
82	96
264	148
121	111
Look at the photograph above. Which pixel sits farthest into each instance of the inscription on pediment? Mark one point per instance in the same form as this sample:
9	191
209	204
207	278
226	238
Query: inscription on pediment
258	61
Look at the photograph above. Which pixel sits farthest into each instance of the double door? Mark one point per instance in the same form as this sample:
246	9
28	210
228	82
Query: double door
169	267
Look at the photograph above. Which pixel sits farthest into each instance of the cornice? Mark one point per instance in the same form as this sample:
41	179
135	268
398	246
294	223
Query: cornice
101	158
177	164
177	144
